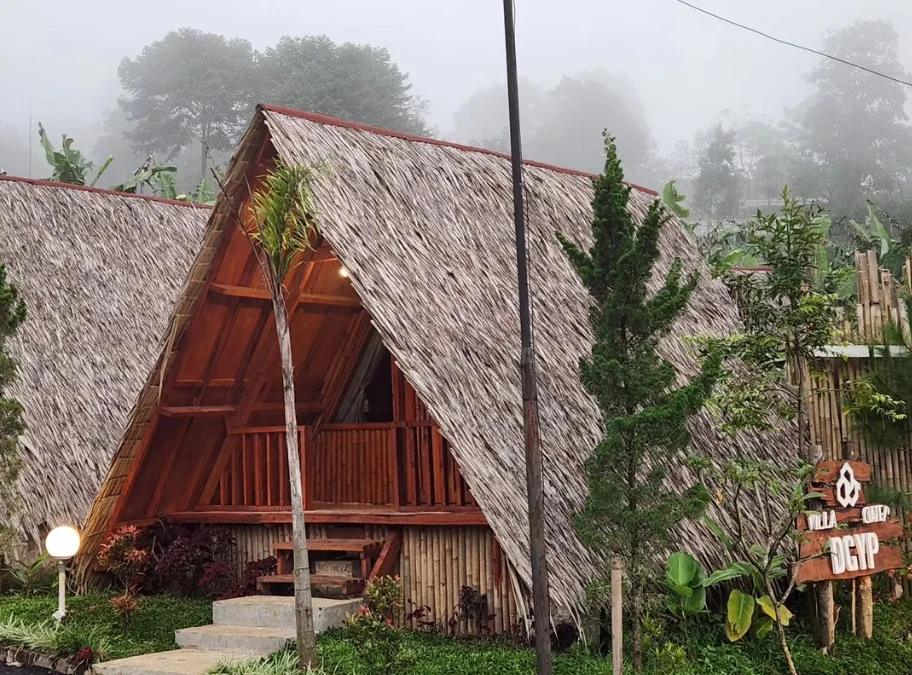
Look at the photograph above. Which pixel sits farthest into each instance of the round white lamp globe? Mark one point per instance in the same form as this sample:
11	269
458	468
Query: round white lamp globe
62	542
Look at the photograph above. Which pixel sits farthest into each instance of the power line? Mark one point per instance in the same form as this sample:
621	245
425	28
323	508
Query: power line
796	46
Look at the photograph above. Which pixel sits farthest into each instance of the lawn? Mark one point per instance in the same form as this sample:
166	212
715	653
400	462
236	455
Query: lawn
153	624
150	629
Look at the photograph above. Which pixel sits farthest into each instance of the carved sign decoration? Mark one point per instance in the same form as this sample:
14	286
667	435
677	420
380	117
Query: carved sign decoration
848	490
846	540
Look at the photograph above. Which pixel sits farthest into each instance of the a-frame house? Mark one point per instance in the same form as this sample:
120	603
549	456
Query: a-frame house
404	331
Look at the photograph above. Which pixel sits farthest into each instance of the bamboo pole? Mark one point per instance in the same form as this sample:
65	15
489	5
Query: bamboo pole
617	617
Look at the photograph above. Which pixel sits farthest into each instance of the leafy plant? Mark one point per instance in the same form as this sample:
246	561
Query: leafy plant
374	629
124	606
630	512
68	164
27	577
84	644
789	313
777	496
121	556
283	662
178	554
880	404
473	608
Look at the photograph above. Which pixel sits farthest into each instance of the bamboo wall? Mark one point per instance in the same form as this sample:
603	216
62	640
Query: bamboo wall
434	564
831	427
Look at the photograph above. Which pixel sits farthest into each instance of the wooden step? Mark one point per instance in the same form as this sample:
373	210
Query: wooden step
360	547
342	585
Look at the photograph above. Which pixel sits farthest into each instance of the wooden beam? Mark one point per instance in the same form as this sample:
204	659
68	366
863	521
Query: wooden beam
260	353
228	382
165	472
250	269
389	556
197	410
342	367
324	254
279	407
322	517
302	298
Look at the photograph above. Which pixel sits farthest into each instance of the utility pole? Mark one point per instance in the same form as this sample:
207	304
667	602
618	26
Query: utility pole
540	601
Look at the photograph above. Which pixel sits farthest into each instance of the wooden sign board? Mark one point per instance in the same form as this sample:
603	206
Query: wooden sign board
848	538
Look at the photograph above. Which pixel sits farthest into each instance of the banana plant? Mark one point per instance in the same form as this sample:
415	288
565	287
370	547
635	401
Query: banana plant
892	253
68	164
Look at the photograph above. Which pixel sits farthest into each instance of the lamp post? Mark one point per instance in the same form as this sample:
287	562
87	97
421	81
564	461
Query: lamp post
62	543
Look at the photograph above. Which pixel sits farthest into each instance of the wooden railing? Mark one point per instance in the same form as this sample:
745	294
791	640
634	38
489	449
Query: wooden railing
353	464
257	471
395	464
429	474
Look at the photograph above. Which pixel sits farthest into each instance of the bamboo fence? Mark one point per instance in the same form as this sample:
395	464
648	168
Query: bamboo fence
832	429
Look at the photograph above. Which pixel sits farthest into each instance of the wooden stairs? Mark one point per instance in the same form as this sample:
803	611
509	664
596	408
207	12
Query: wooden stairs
339	568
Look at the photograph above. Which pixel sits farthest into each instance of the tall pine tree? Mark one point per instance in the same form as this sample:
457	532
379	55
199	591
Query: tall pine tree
631	512
12	314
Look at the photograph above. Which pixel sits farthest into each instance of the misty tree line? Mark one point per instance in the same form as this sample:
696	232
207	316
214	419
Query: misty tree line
187	98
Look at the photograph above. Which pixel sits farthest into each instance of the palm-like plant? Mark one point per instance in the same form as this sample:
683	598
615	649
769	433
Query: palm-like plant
281	230
69	164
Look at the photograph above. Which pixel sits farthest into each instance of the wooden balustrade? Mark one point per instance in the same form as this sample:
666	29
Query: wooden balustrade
353	464
399	465
257	472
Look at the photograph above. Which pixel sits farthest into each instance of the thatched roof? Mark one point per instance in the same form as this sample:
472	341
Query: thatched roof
425	229
100	272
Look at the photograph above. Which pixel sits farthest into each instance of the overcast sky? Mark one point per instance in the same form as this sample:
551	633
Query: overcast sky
61	56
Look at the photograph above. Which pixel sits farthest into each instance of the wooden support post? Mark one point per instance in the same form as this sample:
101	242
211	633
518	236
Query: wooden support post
617	617
864	607
826	614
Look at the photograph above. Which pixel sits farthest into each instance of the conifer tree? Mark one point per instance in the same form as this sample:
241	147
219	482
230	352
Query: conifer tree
630	512
12	314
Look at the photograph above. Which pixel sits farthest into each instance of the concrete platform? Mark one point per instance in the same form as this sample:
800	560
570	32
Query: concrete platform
245	639
243	628
276	611
177	662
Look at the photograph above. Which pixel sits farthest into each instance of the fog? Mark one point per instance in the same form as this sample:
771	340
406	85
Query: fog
60	58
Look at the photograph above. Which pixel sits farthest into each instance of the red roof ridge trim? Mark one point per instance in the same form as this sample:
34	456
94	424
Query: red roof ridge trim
101	191
336	122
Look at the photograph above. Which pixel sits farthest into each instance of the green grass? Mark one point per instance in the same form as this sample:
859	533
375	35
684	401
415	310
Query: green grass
153	625
890	653
151	629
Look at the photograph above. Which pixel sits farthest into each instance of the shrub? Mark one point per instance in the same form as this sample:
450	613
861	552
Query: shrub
179	553
121	556
124	606
374	630
83	644
256	569
28	578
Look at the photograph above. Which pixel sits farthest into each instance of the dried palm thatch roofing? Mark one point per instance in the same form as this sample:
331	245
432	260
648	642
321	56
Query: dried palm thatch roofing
100	272
425	229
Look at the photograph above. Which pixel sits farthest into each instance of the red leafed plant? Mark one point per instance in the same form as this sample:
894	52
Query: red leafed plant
121	556
124	606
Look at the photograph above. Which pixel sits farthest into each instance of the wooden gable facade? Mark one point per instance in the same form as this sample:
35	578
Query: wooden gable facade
376	468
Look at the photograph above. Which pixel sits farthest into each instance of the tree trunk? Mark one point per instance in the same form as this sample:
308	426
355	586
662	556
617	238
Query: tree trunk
204	156
304	626
785	649
636	598
825	616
